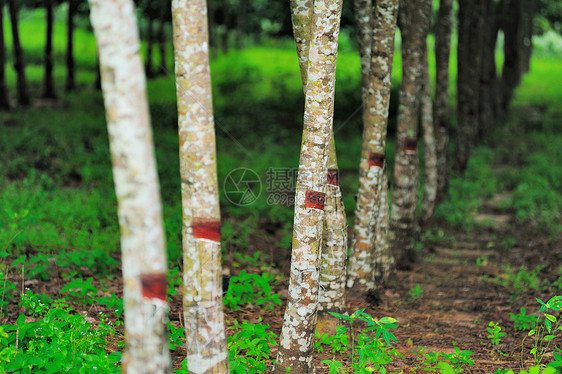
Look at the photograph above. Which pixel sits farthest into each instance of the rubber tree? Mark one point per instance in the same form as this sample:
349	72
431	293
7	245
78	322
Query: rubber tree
441	111
202	288
414	21
331	296
136	187
70	83
19	64
377	71
429	145
48	76
297	334
4	97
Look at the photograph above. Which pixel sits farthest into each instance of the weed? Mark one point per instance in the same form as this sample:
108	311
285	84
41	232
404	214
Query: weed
415	292
522	321
432	361
81	290
521	281
482	261
495	333
249	347
251	289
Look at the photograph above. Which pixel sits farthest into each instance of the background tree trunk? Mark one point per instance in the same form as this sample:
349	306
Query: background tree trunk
164	5
202	300
241	22
363	10
149	68
136	186
429	147
4	97
70	84
468	79
19	65
384	260
361	273
49	79
441	112
297	334
414	21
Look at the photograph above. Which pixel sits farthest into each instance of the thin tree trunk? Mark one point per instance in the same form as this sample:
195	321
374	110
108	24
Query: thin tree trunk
149	47
363	10
136	185
226	21
384	260
162	68
429	147
334	244
202	301
441	111
414	24
70	84
468	78
49	79
241	23
19	65
361	273
4	97
297	334
212	24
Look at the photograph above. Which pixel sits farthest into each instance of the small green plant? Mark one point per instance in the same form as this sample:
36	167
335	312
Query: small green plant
415	292
432	361
81	290
522	321
249	347
521	281
481	261
495	333
251	289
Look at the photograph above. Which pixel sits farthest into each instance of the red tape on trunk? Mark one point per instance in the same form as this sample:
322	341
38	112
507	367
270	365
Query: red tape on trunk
333	177
206	229
410	145
154	286
376	159
314	200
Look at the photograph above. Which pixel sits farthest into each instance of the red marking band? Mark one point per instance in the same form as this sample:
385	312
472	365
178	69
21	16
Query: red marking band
333	177
206	229
410	145
154	286
315	200
376	159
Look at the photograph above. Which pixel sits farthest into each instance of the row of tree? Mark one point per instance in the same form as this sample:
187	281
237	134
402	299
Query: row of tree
318	277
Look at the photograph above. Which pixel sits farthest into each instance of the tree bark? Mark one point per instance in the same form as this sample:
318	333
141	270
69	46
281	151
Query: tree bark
429	146
414	21
202	301
384	260
49	79
70	84
468	78
226	22
19	65
241	23
331	296
441	111
136	185
363	10
361	273
4	97
297	334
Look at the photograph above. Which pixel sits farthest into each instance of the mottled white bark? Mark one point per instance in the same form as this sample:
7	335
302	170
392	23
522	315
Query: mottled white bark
429	147
375	116
295	348
202	300
384	260
136	186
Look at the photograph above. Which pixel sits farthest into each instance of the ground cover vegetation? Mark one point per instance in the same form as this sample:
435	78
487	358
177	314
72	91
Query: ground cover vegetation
483	300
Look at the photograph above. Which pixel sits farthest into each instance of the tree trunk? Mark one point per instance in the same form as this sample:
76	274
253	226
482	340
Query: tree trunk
70	84
414	21
384	260
226	22
468	78
136	185
361	273
162	69
488	76
429	147
363	10
4	97
49	79
441	113
202	301
212	24
149	68
19	65
297	334
334	243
